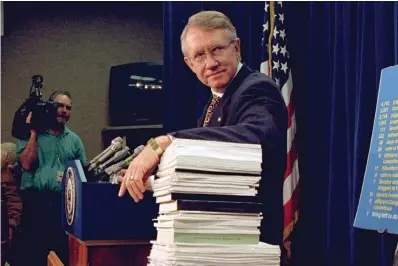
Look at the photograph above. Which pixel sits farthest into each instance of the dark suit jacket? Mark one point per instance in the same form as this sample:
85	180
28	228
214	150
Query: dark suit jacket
252	110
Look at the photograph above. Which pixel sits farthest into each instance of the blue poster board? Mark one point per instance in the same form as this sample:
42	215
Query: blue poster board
378	204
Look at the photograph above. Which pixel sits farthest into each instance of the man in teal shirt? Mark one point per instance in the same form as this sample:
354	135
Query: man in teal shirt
43	157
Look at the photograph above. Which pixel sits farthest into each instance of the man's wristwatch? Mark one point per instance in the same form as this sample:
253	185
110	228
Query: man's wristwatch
155	146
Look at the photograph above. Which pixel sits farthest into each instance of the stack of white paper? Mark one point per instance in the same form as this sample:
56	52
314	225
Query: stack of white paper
208	211
208	227
212	155
213	254
209	167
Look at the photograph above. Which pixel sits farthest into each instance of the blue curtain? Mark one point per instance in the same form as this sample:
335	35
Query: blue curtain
337	51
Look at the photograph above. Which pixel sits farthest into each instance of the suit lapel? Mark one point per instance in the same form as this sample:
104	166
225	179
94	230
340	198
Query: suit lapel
220	113
202	117
217	118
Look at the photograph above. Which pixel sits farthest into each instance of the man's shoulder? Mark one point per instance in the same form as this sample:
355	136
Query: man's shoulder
71	134
258	78
254	78
258	83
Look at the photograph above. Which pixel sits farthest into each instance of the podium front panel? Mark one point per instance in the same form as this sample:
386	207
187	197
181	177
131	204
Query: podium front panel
93	211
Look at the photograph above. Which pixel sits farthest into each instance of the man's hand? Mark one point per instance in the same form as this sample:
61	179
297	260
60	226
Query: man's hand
28	121
28	118
140	169
138	172
120	176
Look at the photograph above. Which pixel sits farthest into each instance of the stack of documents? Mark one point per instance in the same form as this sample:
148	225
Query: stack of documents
205	227
208	210
185	254
209	167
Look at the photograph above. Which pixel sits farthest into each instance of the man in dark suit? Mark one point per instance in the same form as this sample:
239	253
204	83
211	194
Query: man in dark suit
246	107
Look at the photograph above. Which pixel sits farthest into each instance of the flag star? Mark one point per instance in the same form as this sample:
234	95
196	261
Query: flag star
282	34
277	81
283	50
265	26
280	3
276	65
281	17
275	32
284	67
263	43
266	7
275	49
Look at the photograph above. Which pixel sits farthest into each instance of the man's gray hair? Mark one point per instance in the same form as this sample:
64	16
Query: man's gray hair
209	20
55	93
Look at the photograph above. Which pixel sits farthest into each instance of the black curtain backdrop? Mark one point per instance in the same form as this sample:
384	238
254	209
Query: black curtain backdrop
337	50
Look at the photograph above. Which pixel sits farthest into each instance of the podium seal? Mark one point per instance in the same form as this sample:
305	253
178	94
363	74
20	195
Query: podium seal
70	196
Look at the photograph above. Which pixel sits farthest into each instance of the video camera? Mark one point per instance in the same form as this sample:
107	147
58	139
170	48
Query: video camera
43	112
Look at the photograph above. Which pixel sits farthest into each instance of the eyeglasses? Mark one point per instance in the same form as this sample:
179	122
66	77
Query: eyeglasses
218	50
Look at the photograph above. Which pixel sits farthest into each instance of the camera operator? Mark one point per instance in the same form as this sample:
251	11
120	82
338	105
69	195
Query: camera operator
42	156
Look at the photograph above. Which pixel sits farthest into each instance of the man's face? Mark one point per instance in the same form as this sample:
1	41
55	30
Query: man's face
212	56
64	108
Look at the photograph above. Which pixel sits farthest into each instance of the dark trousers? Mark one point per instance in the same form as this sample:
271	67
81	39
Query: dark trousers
42	228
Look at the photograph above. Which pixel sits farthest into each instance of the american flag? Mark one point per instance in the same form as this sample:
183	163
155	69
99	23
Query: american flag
275	64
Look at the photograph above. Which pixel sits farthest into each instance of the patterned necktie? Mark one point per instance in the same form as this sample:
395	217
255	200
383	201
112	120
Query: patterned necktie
210	110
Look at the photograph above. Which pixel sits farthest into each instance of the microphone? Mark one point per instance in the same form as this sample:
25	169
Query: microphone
122	164
105	154
115	140
120	155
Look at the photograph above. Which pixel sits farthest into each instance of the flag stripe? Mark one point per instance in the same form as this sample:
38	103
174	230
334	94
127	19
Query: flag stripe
291	133
290	113
290	183
288	228
287	89
290	207
291	159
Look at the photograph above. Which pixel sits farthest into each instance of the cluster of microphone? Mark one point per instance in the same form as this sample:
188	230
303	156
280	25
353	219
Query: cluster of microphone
106	165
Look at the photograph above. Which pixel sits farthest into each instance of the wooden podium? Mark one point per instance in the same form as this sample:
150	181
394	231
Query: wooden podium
104	229
53	260
108	252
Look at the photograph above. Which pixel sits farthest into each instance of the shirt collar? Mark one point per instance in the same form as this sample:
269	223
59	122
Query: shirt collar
63	133
219	94
66	131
